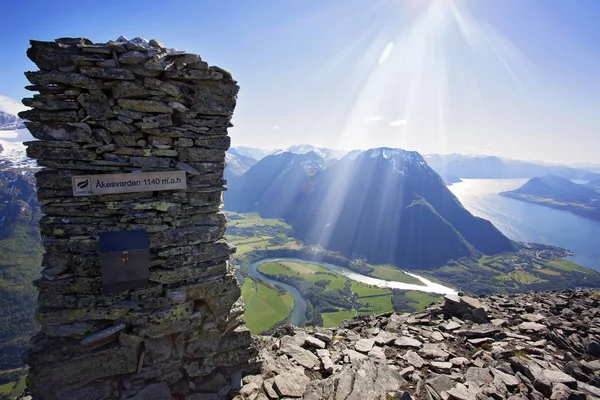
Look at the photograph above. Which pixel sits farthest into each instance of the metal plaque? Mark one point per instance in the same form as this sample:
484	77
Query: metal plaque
124	260
89	185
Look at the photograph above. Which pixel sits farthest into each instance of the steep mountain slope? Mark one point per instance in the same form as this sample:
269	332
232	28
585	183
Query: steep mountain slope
20	257
271	185
556	192
237	165
385	205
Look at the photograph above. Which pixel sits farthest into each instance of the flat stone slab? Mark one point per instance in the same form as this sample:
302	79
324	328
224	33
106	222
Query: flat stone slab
531	327
291	384
364	345
409	342
301	356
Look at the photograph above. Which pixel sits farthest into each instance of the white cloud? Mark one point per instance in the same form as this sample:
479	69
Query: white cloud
375	118
276	127
398	122
11	106
386	52
488	148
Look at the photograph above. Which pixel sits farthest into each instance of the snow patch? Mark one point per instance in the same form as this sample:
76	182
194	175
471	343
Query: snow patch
13	154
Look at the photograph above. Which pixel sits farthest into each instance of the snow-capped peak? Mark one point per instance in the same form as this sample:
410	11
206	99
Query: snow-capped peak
399	158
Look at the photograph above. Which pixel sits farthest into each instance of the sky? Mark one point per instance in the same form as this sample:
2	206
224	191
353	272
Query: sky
512	78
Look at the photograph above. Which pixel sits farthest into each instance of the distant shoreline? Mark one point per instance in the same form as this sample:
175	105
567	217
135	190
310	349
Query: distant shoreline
582	211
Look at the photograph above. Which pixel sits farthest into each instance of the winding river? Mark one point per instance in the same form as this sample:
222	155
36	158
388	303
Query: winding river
297	315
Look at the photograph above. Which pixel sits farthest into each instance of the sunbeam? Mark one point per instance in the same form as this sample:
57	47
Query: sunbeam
425	82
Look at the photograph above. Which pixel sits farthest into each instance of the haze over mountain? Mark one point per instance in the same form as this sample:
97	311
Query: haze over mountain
252	152
324	153
386	205
491	167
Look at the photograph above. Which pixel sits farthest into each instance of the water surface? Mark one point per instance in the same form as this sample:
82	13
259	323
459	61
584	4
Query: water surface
527	222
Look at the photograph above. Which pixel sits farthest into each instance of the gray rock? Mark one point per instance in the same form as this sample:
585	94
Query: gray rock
414	359
133	57
441	367
531	327
510	381
103	334
459	361
314	342
559	377
385	338
301	356
250	391
560	392
377	352
408	342
149	106
533	317
95	103
291	384
157	391
434	353
440	383
364	380
364	345
479	376
107	73
354	356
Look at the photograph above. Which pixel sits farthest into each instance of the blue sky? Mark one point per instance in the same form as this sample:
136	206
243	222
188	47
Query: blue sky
514	78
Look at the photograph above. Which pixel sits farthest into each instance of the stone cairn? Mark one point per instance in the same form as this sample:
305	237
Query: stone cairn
120	107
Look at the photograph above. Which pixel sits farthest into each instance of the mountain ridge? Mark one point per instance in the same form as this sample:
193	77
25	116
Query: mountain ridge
395	186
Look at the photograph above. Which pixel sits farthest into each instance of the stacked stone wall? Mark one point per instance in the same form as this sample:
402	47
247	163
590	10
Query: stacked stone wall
131	106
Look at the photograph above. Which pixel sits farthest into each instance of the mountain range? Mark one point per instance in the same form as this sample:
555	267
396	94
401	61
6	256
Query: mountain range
384	205
451	167
491	167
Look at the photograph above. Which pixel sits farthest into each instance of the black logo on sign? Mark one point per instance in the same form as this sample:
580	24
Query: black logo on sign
82	185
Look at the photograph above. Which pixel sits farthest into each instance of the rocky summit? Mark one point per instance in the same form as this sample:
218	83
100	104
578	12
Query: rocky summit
131	107
543	345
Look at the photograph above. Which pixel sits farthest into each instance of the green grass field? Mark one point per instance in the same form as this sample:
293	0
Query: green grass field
391	273
333	319
251	219
376	300
13	389
566	265
264	306
423	299
307	271
522	277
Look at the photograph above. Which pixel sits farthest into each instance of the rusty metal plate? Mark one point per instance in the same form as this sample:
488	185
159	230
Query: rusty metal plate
124	260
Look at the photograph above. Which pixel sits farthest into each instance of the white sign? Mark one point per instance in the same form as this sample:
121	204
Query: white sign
90	185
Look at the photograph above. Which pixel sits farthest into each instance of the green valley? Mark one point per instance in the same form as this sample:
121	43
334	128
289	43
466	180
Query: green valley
333	297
